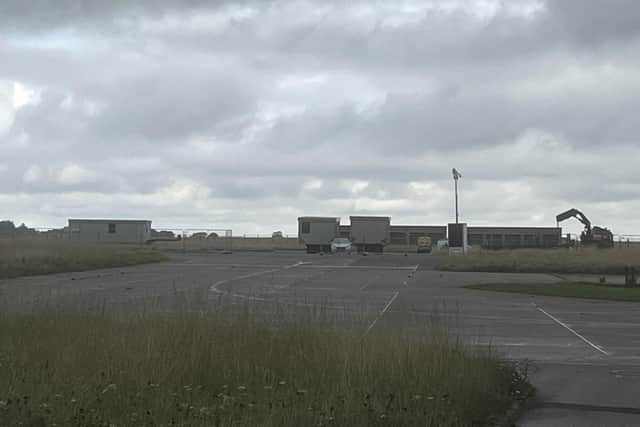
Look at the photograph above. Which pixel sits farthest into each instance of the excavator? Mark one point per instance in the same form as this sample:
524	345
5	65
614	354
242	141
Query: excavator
599	236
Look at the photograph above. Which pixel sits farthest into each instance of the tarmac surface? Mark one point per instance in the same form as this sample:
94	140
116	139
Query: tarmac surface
583	356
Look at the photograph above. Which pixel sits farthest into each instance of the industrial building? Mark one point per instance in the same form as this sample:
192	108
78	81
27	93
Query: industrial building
483	237
407	234
514	237
110	230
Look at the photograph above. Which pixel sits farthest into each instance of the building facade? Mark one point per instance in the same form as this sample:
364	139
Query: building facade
110	230
514	237
407	234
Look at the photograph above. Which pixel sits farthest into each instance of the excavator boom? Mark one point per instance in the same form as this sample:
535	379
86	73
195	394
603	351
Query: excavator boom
574	213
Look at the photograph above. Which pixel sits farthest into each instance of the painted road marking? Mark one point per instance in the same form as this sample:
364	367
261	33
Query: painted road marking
304	264
567	327
215	286
379	316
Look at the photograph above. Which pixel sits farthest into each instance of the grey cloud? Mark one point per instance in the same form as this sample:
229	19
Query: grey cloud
595	22
169	111
45	15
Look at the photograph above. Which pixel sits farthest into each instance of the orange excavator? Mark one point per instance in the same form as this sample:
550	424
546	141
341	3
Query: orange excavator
591	235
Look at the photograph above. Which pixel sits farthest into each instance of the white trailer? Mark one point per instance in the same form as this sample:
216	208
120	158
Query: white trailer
317	232
370	233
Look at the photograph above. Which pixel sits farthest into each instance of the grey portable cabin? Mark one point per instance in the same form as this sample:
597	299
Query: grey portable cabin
110	230
317	232
370	233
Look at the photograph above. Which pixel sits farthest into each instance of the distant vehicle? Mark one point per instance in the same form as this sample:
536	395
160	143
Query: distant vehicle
599	236
341	245
277	235
198	236
424	244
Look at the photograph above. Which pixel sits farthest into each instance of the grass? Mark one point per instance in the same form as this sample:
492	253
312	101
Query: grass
213	369
25	257
584	261
566	289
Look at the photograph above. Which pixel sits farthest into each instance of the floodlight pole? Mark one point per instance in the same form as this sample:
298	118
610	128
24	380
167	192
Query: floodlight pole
456	184
456	175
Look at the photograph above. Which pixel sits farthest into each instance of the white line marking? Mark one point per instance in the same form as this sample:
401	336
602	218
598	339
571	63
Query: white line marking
386	307
366	285
567	327
379	316
223	266
214	287
357	267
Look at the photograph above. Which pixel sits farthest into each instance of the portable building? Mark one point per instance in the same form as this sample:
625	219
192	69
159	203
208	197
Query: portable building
370	233
110	230
317	232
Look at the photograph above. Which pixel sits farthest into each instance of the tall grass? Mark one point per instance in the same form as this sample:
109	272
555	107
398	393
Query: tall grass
216	369
584	260
23	257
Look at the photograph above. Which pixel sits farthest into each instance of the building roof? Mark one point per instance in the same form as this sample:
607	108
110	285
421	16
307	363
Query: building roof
370	217
502	228
319	218
132	221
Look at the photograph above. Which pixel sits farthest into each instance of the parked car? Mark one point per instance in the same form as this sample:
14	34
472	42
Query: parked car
341	245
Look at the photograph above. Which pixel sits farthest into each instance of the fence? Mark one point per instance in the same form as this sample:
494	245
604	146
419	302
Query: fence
193	239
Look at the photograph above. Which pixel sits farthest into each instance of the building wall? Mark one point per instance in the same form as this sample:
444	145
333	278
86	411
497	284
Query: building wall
514	237
110	230
317	230
408	234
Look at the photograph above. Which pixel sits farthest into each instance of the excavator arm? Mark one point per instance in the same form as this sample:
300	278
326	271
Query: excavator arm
596	235
577	214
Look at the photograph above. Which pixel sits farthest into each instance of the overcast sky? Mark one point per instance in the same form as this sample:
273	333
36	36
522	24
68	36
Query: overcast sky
248	114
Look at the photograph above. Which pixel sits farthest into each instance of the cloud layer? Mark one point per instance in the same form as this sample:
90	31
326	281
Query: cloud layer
249	114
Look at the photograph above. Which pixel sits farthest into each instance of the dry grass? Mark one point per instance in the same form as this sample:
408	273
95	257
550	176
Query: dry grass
213	369
584	260
24	257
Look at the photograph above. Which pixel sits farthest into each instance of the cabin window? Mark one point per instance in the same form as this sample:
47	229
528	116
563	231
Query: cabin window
306	227
112	228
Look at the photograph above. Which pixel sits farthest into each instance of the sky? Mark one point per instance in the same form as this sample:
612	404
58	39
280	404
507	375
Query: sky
249	114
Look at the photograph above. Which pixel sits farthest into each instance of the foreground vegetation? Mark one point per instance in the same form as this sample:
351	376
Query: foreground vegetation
566	289
24	257
212	369
584	260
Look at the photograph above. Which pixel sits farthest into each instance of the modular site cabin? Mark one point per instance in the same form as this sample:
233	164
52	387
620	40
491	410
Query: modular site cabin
110	230
370	233
316	233
366	233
